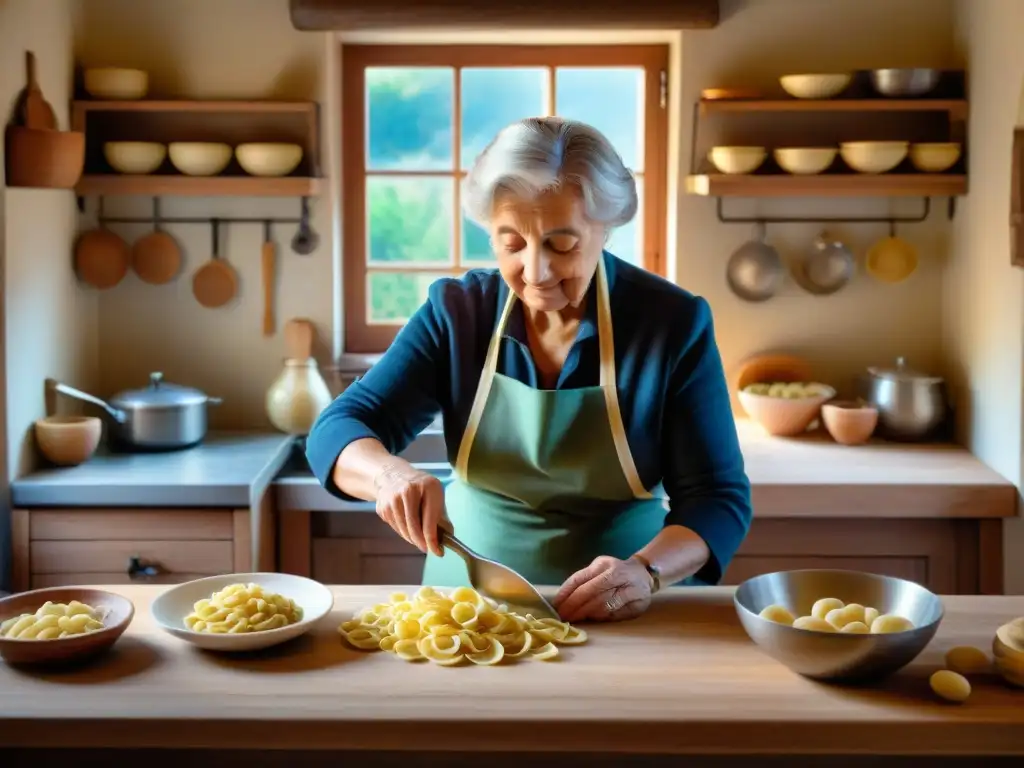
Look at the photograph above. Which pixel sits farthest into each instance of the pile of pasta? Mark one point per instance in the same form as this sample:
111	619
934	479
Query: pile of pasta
240	608
831	614
53	621
448	629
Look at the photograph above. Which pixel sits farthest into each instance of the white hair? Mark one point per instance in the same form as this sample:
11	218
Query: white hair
539	154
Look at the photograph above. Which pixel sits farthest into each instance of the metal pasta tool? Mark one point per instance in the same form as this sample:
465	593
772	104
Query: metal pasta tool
499	582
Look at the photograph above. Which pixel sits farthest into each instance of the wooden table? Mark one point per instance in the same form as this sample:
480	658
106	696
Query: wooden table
683	679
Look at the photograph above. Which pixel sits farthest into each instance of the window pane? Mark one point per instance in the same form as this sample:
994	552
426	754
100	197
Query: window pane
494	97
628	242
609	98
476	245
395	296
409	219
409	117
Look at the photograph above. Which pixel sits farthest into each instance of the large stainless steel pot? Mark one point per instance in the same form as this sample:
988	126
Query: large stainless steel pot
911	405
160	417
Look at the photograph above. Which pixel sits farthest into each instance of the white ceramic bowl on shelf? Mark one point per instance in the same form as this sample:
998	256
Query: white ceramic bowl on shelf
199	158
817	86
173	605
737	160
269	158
873	156
116	83
805	161
134	157
934	157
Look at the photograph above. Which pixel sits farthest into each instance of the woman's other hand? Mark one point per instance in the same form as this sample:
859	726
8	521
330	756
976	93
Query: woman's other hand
412	503
608	589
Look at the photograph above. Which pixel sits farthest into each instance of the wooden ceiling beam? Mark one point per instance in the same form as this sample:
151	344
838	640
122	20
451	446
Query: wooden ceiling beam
321	15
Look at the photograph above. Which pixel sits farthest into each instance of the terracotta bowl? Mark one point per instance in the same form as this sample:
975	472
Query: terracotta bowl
849	423
781	417
118	613
68	440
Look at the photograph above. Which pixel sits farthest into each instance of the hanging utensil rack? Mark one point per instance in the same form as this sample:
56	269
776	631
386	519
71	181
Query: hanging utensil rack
926	206
102	219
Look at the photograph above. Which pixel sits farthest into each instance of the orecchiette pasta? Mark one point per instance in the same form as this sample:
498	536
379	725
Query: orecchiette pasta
53	621
831	614
448	629
242	608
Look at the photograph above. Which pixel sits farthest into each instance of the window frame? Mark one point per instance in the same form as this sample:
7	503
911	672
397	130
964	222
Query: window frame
359	334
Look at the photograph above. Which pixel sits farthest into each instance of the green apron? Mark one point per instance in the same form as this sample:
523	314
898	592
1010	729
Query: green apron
544	481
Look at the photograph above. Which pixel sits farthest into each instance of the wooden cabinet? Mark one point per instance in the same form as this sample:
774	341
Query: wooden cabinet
949	556
57	547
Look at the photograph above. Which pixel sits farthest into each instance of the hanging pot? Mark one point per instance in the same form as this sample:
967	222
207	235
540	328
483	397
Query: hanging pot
160	417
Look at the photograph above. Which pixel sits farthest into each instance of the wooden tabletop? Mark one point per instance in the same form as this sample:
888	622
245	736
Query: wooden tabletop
813	476
683	678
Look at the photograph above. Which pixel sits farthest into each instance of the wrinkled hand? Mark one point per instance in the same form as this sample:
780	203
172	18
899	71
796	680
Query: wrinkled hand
412	503
608	589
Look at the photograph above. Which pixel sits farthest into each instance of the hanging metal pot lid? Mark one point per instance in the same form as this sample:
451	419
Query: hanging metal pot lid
160	394
903	372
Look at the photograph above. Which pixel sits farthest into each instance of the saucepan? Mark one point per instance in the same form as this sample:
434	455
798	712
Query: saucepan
159	417
755	270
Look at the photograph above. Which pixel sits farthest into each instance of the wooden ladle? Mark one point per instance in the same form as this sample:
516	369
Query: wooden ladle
215	283
36	111
156	257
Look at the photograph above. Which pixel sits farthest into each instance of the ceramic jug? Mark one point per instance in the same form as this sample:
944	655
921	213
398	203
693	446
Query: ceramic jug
297	396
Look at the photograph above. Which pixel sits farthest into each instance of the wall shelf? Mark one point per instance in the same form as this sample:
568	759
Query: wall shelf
827	185
196	186
232	122
956	108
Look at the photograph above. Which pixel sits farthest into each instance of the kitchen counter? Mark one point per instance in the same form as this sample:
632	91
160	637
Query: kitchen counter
682	679
229	469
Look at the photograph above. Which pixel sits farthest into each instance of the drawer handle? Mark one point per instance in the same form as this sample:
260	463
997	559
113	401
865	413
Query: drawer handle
136	570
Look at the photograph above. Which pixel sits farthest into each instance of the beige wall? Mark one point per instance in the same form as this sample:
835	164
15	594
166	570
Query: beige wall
983	322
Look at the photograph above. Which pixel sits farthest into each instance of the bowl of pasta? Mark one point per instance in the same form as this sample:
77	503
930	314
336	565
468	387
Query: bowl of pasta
61	624
242	611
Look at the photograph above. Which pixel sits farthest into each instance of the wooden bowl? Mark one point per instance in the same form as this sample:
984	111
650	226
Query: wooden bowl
44	159
849	423
118	613
68	440
769	368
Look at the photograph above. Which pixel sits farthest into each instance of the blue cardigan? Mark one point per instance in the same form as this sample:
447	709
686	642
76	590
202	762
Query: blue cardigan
672	391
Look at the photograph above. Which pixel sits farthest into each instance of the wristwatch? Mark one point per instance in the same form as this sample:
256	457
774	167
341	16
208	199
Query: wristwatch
652	570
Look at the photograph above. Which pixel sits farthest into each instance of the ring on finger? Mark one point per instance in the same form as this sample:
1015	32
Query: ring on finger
613	604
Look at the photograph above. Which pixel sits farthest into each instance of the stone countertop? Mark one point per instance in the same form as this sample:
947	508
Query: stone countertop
229	469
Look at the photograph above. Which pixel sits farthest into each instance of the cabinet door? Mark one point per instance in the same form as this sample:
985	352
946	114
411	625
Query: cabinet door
366	561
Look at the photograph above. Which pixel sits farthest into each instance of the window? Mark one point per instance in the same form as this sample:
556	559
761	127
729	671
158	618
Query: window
414	119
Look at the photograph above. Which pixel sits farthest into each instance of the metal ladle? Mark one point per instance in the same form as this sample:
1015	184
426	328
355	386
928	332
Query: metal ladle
755	271
305	240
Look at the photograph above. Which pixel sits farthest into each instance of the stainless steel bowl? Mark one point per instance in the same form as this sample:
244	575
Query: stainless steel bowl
838	657
904	82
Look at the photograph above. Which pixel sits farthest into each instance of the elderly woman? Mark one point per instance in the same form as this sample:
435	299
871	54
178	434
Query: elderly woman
571	383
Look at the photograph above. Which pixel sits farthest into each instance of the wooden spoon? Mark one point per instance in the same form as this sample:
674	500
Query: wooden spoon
101	258
298	339
268	281
156	258
215	283
38	114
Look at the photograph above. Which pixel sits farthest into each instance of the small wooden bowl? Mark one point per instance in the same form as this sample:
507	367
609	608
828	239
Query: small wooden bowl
44	159
118	613
68	440
849	423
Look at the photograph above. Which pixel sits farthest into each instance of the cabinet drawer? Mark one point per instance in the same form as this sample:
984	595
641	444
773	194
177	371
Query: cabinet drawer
131	525
43	580
208	557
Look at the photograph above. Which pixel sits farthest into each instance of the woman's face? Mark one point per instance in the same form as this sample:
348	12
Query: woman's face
547	249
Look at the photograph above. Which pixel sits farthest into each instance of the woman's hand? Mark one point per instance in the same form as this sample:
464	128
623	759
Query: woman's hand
608	589
412	503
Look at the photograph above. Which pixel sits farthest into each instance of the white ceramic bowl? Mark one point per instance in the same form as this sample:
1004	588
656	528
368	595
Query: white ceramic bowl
172	606
737	160
268	159
873	156
134	156
116	83
805	160
934	157
199	158
815	86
